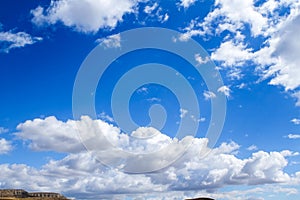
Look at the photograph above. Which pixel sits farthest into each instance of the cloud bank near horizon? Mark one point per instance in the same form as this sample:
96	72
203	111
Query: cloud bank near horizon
79	172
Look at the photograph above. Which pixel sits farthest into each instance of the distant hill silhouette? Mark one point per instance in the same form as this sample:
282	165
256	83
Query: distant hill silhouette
201	198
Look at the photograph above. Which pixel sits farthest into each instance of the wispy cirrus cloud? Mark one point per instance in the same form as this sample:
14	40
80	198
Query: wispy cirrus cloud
3	130
252	148
154	11
112	41
293	136
10	40
295	121
209	95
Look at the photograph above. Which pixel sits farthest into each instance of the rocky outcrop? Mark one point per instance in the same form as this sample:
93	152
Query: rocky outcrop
20	194
17	193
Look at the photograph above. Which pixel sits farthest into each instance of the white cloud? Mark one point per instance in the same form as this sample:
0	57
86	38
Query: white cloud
201	60
196	119
239	193
238	12
252	148
3	130
287	153
143	90
232	54
105	117
233	16
279	59
154	11
80	173
187	3
5	146
165	18
85	15
293	136
242	86
149	9
83	177
154	99
284	48
112	41
202	119
297	96
10	40
209	95
225	90
50	134
296	121
276	58
183	112
145	132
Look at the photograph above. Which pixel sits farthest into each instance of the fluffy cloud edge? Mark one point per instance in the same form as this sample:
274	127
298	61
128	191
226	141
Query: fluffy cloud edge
84	16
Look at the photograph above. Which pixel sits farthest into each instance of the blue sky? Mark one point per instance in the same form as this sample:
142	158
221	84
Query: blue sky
252	44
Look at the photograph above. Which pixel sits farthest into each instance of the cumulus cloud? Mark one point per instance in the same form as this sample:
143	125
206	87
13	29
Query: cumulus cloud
288	72
279	59
230	15
10	40
86	15
82	175
80	172
107	142
76	175
5	146
50	134
275	59
232	54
